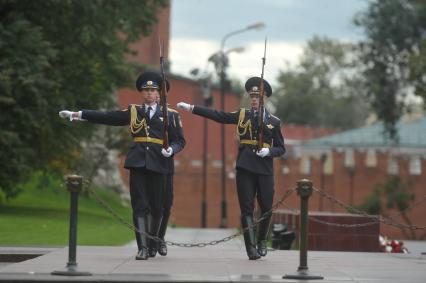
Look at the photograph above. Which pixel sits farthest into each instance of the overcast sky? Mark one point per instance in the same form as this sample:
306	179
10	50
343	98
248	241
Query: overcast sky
197	27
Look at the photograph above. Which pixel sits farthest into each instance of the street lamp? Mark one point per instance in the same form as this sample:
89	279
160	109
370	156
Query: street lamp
256	26
221	70
208	100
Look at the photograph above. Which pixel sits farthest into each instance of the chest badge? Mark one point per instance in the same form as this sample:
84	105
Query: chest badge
161	118
270	126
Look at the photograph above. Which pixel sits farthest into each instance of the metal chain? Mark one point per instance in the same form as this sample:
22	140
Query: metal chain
296	211
376	218
187	245
423	199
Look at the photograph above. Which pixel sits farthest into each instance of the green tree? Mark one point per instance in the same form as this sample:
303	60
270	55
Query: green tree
57	54
372	203
394	193
323	90
395	31
417	63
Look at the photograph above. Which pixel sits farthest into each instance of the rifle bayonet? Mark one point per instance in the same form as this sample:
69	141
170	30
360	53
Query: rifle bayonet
163	99
261	104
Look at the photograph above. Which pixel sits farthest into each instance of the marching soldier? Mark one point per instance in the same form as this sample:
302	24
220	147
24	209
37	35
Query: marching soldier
147	160
254	165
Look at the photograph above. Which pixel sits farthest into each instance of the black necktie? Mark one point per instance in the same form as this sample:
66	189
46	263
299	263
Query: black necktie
148	113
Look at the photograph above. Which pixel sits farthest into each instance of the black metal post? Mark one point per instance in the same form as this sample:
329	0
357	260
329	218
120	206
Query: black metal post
304	190
74	185
223	219
72	247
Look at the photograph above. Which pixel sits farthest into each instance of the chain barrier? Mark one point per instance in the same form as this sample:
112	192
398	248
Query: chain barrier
296	211
388	220
108	208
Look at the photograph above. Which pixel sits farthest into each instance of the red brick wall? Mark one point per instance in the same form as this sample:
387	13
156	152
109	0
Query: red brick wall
147	48
188	178
364	179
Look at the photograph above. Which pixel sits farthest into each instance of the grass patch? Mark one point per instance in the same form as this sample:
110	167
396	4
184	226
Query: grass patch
40	216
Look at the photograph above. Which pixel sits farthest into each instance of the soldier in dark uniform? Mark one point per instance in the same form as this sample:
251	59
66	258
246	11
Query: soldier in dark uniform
147	160
255	179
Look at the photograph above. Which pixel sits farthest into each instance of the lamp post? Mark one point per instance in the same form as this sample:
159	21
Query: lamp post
208	100
221	70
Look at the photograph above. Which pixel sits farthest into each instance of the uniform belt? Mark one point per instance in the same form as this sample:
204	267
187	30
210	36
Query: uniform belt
148	139
254	142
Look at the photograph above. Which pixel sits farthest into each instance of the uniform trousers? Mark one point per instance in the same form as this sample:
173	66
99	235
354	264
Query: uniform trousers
147	192
168	196
250	186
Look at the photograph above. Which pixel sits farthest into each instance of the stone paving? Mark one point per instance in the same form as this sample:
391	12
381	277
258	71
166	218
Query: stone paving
226	262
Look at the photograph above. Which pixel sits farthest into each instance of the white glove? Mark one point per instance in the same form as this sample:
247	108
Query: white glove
167	152
66	114
185	106
264	151
71	115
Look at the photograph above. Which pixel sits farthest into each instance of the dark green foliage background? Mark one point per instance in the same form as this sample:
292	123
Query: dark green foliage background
54	55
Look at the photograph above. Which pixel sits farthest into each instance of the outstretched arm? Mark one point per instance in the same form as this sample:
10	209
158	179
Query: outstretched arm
215	115
112	118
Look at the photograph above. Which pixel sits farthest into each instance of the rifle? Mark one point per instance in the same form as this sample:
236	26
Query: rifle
261	104
163	100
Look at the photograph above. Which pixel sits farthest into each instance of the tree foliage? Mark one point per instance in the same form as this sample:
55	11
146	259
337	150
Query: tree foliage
323	90
395	31
394	193
57	54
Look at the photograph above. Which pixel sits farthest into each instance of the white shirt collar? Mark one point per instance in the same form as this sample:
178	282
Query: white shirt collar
153	106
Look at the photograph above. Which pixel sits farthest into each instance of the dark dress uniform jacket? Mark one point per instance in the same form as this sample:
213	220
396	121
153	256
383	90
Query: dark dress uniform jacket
147	135
247	130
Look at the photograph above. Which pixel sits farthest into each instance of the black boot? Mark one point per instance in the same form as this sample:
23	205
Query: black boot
155	223
247	223
162	247
262	235
142	225
137	235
